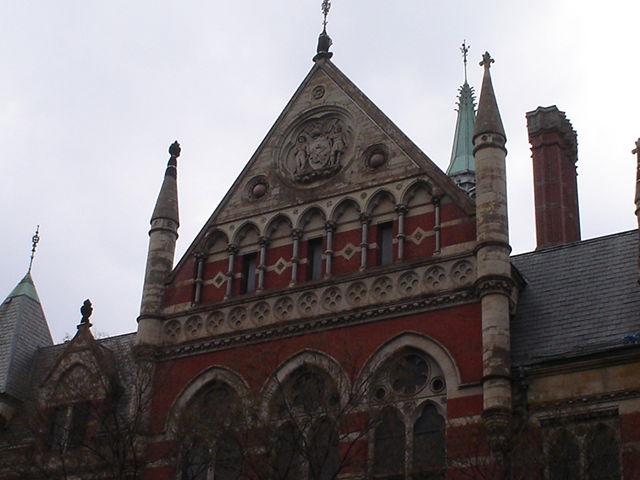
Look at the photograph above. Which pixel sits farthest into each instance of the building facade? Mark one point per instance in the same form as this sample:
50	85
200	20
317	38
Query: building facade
350	311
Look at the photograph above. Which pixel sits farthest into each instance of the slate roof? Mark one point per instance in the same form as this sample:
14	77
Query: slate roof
580	298
23	329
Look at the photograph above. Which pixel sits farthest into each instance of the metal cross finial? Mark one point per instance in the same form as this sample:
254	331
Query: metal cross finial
34	243
486	61
326	5
465	49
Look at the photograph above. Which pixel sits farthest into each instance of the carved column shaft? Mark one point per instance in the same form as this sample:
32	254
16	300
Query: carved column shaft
364	219
262	267
437	224
197	294
402	211
295	260
232	256
329	228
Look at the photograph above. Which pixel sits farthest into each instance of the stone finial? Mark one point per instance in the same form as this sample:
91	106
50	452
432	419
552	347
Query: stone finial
86	310
487	61
174	149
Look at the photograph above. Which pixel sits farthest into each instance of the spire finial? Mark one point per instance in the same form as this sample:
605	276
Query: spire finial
465	50
324	40
34	244
486	61
326	6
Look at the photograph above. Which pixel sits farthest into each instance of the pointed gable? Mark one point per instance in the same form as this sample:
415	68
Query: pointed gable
85	370
23	330
329	140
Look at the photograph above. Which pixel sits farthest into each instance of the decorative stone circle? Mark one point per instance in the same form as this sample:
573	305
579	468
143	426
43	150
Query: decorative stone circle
462	272
318	92
356	293
435	278
172	329
409	283
307	303
332	298
237	317
193	325
257	187
382	288
215	321
376	156
260	313
283	308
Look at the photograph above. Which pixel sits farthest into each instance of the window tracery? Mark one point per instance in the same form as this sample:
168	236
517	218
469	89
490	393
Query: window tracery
409	438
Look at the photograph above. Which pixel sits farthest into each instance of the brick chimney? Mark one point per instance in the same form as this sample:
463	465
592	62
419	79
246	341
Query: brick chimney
554	147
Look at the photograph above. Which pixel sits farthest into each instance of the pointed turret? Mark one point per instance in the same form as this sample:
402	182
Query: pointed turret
494	281
23	330
462	166
162	243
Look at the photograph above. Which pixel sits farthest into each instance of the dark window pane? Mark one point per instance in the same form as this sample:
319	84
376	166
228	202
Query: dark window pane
79	418
248	284
287	461
314	259
564	457
385	243
195	461
603	456
59	428
389	445
228	459
429	444
323	456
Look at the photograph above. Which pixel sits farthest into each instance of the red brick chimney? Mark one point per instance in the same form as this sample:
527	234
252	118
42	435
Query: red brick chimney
554	147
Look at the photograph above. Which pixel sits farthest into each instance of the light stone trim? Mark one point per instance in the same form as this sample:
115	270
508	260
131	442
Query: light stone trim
302	303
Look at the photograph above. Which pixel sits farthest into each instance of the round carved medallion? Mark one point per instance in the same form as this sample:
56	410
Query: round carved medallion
316	149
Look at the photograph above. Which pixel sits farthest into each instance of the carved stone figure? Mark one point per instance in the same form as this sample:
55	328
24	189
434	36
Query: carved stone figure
318	149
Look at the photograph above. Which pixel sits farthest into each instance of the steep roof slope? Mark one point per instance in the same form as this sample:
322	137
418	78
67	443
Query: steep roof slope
580	298
23	329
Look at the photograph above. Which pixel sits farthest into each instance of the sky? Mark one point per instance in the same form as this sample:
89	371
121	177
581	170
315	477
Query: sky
92	93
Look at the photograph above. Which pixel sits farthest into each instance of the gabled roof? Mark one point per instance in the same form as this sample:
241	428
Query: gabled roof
348	97
580	298
23	329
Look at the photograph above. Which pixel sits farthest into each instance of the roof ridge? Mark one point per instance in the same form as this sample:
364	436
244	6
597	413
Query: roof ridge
578	242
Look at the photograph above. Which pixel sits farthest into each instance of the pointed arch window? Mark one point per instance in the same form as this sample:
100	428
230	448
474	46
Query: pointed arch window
603	455
389	446
564	461
429	444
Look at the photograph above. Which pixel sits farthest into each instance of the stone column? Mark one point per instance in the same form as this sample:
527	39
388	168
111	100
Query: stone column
232	250
329	229
200	260
364	220
401	210
263	258
437	224
296	234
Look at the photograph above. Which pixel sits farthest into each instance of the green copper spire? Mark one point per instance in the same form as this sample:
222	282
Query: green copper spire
462	165
26	288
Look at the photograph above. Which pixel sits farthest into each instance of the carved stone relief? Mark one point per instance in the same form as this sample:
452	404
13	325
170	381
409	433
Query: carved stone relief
316	149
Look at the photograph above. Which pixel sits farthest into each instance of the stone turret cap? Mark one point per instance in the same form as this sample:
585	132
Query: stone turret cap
167	203
488	119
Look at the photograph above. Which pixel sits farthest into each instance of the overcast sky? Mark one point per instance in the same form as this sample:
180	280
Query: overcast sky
92	93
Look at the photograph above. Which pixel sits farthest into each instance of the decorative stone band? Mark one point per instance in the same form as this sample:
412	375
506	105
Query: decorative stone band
317	323
580	402
421	287
164	225
494	284
490	140
492	243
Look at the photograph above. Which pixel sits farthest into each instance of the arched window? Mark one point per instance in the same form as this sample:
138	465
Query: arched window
389	446
603	456
564	457
410	386
429	444
208	427
287	461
